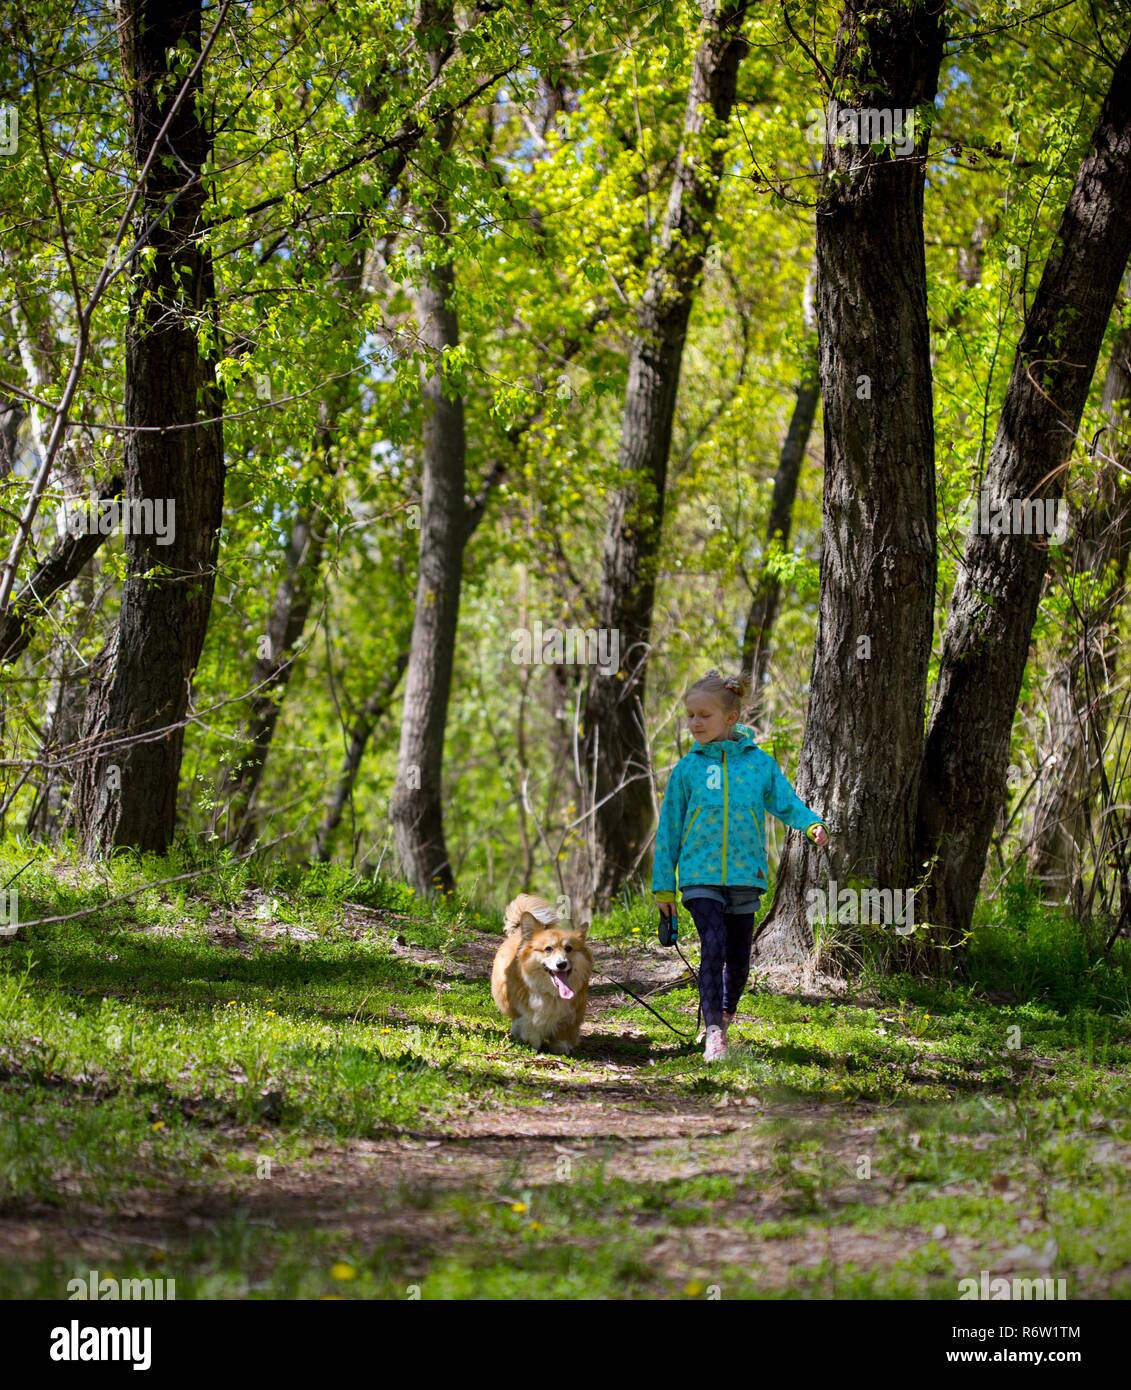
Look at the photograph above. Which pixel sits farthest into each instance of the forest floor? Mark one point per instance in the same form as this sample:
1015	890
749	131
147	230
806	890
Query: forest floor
265	1093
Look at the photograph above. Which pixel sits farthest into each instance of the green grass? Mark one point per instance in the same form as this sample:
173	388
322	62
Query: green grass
163	1043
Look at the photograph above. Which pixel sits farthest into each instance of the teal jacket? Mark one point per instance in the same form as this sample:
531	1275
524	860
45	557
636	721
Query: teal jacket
710	827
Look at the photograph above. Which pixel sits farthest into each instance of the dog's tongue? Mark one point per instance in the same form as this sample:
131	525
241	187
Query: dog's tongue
563	989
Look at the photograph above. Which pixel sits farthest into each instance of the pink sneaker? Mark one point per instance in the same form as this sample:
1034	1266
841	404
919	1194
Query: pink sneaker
716	1044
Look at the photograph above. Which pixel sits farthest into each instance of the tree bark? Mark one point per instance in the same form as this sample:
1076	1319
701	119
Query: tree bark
617	796
1079	694
12	416
860	758
126	792
995	600
417	805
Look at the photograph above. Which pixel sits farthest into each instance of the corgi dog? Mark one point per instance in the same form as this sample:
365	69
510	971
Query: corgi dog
540	978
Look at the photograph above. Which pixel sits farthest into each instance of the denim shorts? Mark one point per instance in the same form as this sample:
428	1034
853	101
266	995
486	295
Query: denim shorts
736	899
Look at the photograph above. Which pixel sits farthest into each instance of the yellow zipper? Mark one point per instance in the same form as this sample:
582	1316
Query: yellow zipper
725	790
690	823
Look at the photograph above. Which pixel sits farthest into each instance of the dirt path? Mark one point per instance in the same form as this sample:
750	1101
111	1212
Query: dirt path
607	1107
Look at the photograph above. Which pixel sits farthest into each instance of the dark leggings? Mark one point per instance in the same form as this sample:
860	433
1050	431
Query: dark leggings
724	964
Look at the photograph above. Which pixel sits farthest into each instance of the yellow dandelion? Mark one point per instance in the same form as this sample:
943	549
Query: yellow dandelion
694	1289
342	1271
518	1207
158	1124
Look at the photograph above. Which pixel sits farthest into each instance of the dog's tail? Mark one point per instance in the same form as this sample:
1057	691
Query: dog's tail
538	908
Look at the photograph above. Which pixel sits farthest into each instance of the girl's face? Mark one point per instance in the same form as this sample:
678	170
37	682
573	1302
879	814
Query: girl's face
707	719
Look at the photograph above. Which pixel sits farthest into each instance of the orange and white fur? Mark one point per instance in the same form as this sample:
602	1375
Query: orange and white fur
540	978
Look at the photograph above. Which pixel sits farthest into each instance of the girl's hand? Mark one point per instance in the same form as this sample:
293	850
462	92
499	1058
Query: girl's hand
820	836
666	909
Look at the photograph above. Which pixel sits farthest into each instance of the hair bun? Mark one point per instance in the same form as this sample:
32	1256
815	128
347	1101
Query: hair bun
727	689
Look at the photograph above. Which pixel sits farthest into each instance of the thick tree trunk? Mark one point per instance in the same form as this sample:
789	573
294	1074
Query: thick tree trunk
126	793
1079	694
762	615
617	796
998	590
860	759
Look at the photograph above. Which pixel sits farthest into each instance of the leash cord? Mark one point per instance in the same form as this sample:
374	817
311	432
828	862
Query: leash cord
688	1037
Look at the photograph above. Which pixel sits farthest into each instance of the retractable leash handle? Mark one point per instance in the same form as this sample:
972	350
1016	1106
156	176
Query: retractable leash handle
669	928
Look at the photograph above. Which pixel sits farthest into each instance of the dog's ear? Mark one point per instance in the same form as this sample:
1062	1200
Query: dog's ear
582	929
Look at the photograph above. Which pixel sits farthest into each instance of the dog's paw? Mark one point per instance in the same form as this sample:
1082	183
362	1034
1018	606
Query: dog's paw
560	1046
521	1032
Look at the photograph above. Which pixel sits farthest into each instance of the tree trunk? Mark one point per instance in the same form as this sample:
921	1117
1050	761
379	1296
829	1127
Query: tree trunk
860	759
998	590
763	610
1079	693
617	796
12	416
417	806
126	793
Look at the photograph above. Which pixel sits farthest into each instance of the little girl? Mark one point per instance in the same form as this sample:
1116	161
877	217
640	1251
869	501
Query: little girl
711	830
